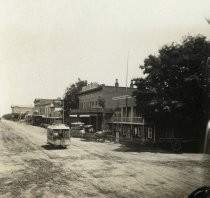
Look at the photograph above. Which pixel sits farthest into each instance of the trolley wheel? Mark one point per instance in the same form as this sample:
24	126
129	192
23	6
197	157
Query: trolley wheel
176	145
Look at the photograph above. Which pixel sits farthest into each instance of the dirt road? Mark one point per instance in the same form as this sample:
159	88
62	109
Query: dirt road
30	168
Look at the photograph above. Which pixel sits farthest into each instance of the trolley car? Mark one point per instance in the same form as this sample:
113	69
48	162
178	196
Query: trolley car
58	135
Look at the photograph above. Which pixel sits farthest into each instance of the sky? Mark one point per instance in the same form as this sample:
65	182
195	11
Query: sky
46	45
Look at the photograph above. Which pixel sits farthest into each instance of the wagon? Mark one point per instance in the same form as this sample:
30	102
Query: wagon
77	129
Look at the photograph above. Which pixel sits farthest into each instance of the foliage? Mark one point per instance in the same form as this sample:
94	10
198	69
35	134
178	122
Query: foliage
101	102
12	116
174	93
71	99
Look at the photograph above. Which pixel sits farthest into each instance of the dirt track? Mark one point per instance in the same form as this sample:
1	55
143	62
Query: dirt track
30	168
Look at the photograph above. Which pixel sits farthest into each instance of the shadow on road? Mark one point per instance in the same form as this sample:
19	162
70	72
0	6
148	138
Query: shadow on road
95	140
52	147
153	149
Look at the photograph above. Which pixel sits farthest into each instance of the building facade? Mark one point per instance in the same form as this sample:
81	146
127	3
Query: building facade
96	104
128	124
20	109
48	107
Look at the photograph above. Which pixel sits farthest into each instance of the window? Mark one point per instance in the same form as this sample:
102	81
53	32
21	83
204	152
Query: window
149	132
123	131
135	131
140	131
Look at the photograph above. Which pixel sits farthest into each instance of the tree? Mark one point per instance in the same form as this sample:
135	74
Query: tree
71	99
174	93
101	103
11	116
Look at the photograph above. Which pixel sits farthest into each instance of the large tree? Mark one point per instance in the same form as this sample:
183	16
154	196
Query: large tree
71	99
173	92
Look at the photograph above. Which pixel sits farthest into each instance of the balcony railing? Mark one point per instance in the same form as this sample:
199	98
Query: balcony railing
127	119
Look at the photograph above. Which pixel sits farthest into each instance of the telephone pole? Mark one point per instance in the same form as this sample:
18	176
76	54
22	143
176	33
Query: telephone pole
126	89
63	112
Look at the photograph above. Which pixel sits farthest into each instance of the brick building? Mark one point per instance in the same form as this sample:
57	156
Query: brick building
96	104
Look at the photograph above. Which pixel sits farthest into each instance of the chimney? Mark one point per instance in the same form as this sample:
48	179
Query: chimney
116	83
131	85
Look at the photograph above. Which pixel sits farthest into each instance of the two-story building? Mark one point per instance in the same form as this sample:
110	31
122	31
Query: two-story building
96	104
49	109
128	123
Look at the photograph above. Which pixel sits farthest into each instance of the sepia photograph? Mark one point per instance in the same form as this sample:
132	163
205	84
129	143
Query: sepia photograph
104	99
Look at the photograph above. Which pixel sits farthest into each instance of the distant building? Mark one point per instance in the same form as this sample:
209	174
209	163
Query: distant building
21	109
96	104
48	107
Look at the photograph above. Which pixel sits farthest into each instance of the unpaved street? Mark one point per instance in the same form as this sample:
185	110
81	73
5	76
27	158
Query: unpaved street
31	168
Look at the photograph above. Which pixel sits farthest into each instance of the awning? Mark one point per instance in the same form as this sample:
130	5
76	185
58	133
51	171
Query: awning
74	116
84	116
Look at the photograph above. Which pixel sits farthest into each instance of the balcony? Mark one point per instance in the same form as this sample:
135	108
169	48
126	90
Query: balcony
138	120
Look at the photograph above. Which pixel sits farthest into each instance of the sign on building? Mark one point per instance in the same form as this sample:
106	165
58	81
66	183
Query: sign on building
90	86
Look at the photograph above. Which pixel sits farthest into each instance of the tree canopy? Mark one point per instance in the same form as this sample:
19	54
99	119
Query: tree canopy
71	99
173	92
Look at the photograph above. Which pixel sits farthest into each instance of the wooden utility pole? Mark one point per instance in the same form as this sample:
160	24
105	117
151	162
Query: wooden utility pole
208	83
207	135
63	112
126	89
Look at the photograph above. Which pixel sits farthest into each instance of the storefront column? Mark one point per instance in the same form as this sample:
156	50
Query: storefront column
121	117
131	113
97	122
131	131
144	132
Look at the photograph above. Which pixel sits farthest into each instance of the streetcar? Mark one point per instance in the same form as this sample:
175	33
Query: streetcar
58	135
